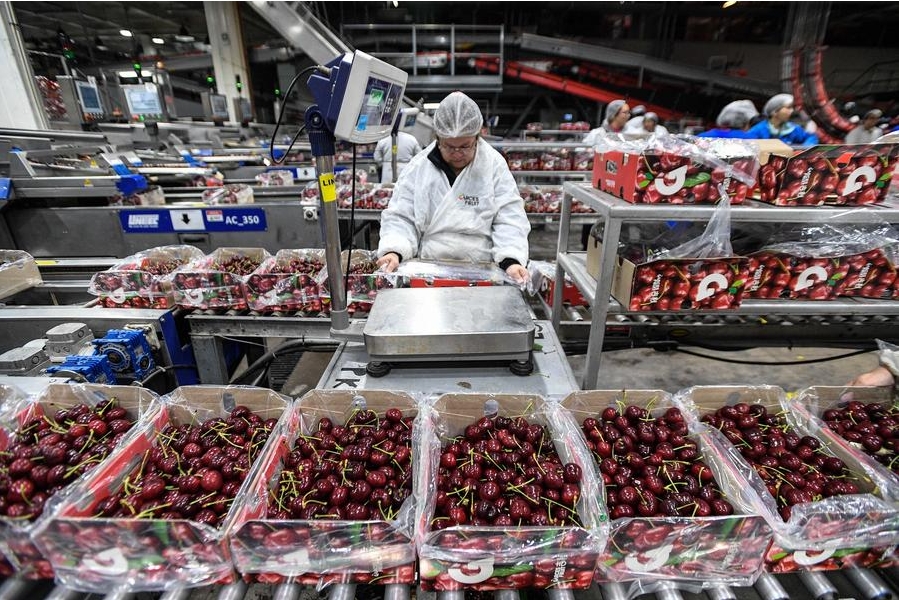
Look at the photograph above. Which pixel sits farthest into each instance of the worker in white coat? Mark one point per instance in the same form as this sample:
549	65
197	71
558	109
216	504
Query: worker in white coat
406	147
456	200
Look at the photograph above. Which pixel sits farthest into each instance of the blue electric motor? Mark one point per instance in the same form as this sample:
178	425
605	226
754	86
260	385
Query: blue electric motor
128	352
94	369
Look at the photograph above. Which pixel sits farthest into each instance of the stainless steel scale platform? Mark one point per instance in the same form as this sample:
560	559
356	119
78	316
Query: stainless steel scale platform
552	375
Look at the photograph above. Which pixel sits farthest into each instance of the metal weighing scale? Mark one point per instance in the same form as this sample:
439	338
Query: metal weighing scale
413	325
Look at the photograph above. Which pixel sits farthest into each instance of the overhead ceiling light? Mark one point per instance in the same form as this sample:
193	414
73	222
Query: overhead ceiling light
126	33
729	3
158	41
184	35
100	45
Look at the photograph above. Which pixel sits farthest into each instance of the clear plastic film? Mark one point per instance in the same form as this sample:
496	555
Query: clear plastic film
216	281
18	272
328	549
275	178
842	520
139	280
97	553
287	281
685	170
690	552
231	193
135	404
451	273
494	557
714	241
543	279
828	260
841	406
363	278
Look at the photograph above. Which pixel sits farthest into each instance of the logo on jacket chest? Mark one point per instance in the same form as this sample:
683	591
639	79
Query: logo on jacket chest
469	200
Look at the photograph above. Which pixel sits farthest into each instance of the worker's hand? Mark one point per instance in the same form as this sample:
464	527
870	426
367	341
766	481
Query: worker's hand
519	273
878	377
389	262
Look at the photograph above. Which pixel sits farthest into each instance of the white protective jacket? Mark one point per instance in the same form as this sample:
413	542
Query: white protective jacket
406	147
480	218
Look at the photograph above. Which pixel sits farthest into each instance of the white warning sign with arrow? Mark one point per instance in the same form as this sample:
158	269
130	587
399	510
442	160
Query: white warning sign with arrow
187	220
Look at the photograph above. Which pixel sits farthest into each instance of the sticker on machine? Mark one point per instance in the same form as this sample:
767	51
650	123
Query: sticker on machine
187	220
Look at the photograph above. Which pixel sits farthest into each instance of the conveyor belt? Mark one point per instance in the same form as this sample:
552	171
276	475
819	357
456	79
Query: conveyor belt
859	584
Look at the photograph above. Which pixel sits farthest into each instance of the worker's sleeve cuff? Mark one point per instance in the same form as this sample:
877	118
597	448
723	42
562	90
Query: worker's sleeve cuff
508	262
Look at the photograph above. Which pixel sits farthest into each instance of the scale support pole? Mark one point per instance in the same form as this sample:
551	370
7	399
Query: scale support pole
322	142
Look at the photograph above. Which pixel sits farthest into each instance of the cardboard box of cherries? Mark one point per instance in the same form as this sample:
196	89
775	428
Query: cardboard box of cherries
647	284
826	262
54	441
507	495
826	510
157	515
846	174
671	170
140	280
216	281
287	282
676	512
333	501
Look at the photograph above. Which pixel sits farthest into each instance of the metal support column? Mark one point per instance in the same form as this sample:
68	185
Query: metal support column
229	61
21	105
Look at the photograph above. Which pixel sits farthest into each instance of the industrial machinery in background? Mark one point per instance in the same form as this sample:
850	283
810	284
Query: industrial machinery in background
70	351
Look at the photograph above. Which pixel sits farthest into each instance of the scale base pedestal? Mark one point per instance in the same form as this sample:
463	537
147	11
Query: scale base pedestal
517	366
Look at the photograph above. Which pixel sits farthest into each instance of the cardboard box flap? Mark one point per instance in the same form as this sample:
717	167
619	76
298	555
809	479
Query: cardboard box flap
768	148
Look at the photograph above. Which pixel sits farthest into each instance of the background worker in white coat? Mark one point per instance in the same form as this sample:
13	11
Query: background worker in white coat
406	147
456	200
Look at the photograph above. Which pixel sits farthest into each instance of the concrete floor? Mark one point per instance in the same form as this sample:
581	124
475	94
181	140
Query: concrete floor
644	368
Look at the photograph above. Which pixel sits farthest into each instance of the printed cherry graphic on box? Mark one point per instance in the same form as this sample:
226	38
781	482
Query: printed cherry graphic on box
216	281
840	174
685	284
505	508
66	434
160	510
670	517
139	281
327	504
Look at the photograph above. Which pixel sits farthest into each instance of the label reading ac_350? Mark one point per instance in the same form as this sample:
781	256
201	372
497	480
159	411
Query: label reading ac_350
328	189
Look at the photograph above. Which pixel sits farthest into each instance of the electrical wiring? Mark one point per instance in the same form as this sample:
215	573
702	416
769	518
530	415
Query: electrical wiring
301	344
287	92
810	361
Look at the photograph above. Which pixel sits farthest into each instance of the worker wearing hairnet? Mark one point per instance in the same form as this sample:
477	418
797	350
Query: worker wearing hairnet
867	131
635	123
617	114
457	200
733	121
406	147
779	111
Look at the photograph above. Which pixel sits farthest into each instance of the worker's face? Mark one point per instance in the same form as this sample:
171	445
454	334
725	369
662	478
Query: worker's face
783	114
870	122
458	152
649	125
621	119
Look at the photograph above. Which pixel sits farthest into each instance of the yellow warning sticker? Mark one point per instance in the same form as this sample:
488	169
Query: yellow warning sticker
328	189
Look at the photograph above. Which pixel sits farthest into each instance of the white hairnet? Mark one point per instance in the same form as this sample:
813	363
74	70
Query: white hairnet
777	102
457	116
874	113
737	114
651	116
613	108
638	110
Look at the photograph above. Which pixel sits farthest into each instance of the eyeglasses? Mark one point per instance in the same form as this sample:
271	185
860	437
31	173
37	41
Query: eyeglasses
457	149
